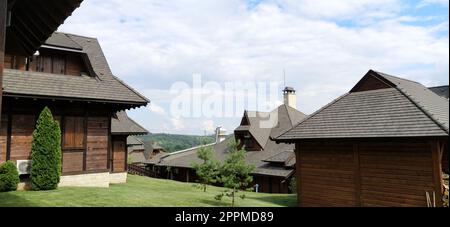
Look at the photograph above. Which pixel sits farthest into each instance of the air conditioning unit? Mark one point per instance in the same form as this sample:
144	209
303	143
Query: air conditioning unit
24	166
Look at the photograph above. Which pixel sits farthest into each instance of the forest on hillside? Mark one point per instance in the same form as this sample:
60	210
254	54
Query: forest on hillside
172	143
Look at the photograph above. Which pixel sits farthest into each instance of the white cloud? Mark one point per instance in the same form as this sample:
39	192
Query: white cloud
178	123
156	109
208	126
424	3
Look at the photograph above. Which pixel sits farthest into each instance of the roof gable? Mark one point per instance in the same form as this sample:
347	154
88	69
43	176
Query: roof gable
245	121
371	81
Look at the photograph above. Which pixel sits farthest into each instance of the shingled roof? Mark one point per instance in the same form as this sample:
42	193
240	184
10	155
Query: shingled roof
123	125
102	87
284	114
440	90
399	108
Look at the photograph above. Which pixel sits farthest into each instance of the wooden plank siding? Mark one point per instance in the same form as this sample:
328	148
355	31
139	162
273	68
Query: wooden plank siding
268	184
3	137
97	143
3	11
119	151
21	136
86	146
370	83
49	61
395	174
367	173
326	175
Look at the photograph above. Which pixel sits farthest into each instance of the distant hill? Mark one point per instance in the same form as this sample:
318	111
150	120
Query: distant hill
172	143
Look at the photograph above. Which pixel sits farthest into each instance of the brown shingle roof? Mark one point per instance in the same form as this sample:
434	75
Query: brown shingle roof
408	109
285	115
123	125
103	87
440	90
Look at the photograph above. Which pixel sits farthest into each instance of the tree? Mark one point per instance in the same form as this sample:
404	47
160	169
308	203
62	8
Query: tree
9	177
208	170
235	172
46	153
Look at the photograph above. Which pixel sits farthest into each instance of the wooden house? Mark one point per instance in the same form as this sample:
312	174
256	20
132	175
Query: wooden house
274	163
70	75
381	144
124	131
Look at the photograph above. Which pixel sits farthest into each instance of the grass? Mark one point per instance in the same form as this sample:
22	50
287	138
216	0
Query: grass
139	192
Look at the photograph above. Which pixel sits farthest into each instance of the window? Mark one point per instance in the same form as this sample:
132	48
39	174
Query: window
74	133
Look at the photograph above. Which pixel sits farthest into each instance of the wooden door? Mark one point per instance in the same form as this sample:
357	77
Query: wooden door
119	155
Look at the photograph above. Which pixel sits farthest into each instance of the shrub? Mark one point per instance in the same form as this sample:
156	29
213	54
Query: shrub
293	185
9	177
46	153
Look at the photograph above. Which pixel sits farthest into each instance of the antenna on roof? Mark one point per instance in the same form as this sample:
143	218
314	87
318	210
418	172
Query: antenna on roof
284	77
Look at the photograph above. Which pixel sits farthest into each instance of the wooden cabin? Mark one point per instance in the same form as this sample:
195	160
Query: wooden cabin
70	75
381	144
274	163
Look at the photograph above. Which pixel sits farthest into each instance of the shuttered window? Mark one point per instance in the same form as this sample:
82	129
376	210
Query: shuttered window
74	131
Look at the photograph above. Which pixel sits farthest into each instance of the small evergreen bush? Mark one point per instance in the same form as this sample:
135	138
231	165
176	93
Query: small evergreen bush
9	177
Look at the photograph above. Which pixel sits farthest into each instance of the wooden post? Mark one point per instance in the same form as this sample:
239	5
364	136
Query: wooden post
298	175
437	171
357	174
3	12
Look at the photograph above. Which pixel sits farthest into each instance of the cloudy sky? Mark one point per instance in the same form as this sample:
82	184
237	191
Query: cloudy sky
324	46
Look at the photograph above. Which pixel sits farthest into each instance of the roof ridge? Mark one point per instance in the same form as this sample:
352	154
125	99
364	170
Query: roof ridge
80	36
140	126
313	114
132	89
400	78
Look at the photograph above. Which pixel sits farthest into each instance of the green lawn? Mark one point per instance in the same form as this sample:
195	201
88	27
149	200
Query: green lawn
139	192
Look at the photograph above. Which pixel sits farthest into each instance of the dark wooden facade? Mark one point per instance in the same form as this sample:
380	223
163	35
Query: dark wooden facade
369	173
266	184
3	14
271	184
87	144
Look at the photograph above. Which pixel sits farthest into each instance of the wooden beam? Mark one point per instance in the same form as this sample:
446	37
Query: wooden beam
298	175
109	151
9	131
357	174
3	12
437	171
85	148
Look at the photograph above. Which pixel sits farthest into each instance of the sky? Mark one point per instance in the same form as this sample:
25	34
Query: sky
322	47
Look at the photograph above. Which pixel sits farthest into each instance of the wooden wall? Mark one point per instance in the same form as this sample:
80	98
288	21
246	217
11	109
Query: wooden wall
326	175
97	143
370	83
22	127
269	184
49	61
445	158
87	151
365	173
3	137
119	152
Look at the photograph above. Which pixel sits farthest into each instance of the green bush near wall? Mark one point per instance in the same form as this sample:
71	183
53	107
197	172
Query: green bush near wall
9	177
46	153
